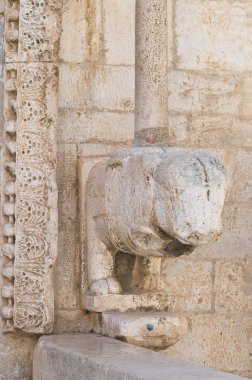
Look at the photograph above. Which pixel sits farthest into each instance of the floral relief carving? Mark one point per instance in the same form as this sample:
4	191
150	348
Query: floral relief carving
35	195
39	34
29	189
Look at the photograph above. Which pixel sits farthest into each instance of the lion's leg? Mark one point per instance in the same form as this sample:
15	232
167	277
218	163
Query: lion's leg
100	260
149	273
100	264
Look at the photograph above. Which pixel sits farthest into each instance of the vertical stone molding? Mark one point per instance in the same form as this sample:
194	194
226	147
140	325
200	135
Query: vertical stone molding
36	197
151	108
9	162
32	31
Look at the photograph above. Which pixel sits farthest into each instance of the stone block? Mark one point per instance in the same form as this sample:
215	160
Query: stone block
119	32
72	321
245	108
147	329
16	352
213	34
81	31
219	131
66	273
241	180
129	302
179	134
219	341
90	356
1	41
190	283
2	6
93	152
96	87
170	29
191	92
236	239
81	127
233	286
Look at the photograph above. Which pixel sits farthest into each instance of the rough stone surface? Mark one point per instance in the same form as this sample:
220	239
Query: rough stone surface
82	31
16	353
72	321
233	286
96	87
119	50
128	302
150	330
95	127
245	109
213	340
236	238
223	41
190	282
2	5
88	356
218	130
151	109
66	275
195	92
178	130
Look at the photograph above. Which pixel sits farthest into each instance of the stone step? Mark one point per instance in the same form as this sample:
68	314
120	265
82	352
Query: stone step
94	357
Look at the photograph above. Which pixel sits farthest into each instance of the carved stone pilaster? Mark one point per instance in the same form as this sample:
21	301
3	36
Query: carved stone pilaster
32	30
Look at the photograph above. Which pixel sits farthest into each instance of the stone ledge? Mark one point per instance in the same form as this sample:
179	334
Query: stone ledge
90	356
128	302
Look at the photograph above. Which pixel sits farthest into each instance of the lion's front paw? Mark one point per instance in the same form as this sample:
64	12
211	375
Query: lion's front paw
108	285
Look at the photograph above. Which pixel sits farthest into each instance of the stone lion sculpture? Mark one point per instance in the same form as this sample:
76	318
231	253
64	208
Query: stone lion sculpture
153	203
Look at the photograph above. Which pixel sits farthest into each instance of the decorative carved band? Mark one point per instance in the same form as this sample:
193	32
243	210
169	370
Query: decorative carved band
8	195
9	162
29	158
36	197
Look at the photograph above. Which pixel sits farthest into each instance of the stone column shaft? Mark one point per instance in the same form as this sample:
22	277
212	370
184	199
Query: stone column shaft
151	114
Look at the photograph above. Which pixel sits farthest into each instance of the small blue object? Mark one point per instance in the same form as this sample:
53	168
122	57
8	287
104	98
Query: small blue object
150	327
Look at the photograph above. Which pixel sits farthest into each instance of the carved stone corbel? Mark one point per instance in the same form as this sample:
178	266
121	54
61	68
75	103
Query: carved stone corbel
144	204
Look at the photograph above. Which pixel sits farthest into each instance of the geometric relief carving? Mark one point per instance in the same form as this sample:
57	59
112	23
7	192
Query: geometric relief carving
29	196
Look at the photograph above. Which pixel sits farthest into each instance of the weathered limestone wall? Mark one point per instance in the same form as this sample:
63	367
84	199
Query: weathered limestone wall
96	105
210	82
210	96
210	102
